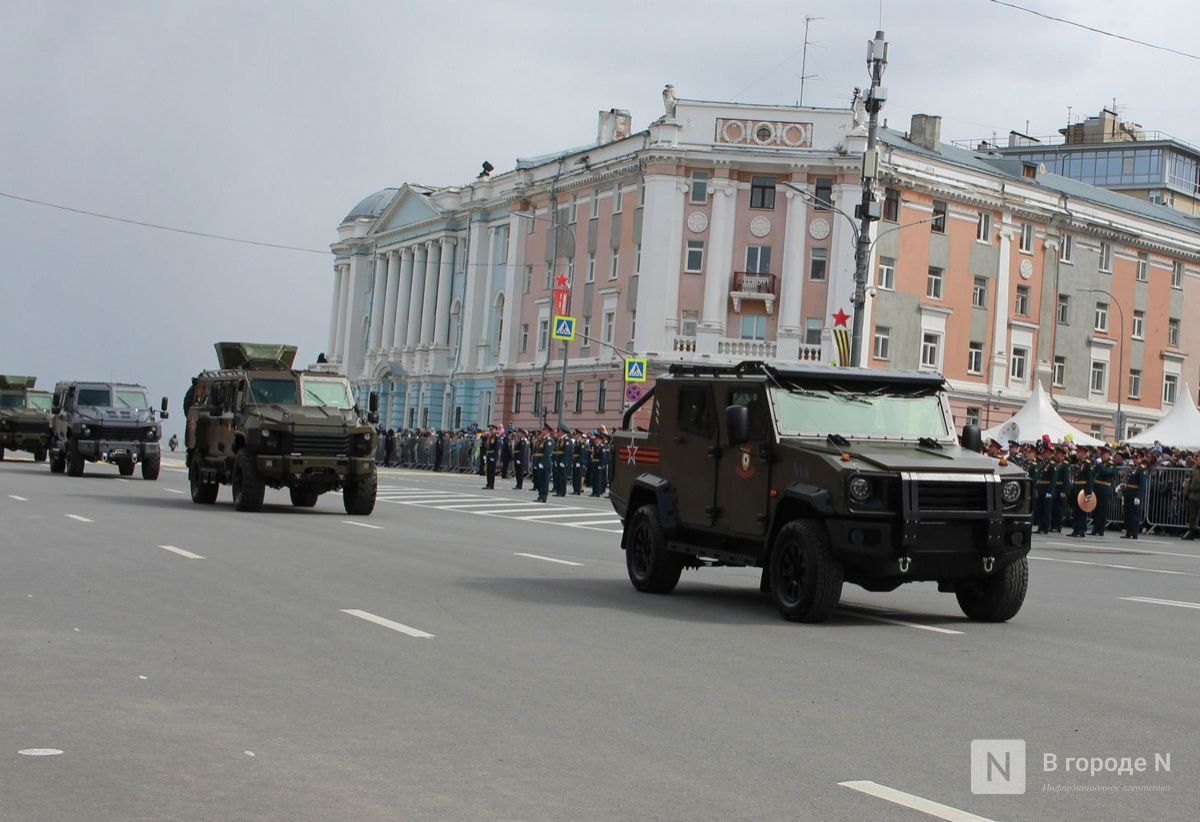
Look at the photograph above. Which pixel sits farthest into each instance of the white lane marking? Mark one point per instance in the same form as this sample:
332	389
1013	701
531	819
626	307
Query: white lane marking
180	551
892	620
172	490
387	623
39	752
18	499
912	801
591	522
1121	567
467	506
1077	547
120	479
1155	601
433	502
363	525
178	470
504	512
78	518
578	513
547	559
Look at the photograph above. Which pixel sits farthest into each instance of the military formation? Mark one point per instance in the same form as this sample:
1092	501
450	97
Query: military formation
553	460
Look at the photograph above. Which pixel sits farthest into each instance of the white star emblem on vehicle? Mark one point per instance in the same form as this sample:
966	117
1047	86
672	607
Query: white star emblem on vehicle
632	455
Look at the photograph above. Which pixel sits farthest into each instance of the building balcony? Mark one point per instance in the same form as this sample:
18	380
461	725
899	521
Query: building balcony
748	285
757	349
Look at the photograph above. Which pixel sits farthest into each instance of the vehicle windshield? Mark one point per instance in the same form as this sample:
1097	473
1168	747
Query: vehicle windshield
131	399
95	397
324	392
820	412
273	391
39	401
12	401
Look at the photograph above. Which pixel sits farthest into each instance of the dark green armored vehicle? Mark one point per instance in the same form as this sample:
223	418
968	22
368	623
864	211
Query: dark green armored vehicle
104	422
255	423
819	476
24	417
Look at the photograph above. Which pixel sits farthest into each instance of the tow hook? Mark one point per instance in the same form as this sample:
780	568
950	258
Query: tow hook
988	564
904	563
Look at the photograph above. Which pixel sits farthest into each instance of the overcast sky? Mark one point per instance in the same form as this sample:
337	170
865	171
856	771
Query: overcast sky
269	120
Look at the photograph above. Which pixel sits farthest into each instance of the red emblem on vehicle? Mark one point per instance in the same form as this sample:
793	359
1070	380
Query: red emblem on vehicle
745	468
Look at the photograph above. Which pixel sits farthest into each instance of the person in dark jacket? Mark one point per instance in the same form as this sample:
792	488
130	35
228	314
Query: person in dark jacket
1105	475
1085	482
1133	491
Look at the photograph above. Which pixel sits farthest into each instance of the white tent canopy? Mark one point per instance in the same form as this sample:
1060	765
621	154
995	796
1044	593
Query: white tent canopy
1180	428
1038	417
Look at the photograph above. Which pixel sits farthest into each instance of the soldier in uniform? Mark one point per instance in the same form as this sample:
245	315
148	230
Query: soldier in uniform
520	451
506	452
490	446
1105	475
1060	484
1084	481
542	467
1133	491
562	444
1040	471
600	463
578	458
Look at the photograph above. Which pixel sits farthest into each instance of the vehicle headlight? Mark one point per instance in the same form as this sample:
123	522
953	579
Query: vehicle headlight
269	440
1010	492
363	442
861	489
86	431
151	434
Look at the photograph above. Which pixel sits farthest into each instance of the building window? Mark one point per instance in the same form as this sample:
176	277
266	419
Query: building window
558	396
891	204
882	349
601	395
549	284
691	319
754	326
527	286
578	396
1173	333
818	260
1099	376
933	284
573	210
1101	323
973	414
762	192
524	337
699	187
939	217
590	275
1066	249
543	334
983	231
931	346
975	358
1064	309
824	194
1135	383
758	259
1022	306
812	330
610	326
1027	238
1058	373
1105	257
695	257
1097	431
1020	356
1177	274
616	200
979	293
516	403
1143	266
587	330
886	278
614	267
1170	386
1139	318
595	204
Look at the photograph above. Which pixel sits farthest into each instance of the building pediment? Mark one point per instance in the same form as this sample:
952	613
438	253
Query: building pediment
410	206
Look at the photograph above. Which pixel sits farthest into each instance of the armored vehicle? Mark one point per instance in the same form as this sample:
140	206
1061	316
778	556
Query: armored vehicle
104	422
255	422
819	476
24	417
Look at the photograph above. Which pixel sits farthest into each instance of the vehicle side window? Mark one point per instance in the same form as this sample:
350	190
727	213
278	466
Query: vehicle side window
753	400
695	411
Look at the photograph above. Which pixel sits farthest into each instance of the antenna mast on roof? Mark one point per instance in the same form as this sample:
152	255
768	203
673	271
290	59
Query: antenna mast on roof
804	58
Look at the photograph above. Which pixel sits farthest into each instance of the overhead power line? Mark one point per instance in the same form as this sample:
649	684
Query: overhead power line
1096	30
143	224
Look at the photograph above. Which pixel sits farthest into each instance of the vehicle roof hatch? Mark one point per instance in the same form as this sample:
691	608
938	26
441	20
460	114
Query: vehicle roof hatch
255	356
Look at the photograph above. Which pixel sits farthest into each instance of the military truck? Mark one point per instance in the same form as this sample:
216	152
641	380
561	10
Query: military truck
819	476
255	423
105	422
24	417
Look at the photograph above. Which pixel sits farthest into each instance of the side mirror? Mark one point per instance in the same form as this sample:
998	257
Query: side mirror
972	440
165	414
737	423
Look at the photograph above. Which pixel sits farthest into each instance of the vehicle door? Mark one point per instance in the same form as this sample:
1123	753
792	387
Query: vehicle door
744	471
689	438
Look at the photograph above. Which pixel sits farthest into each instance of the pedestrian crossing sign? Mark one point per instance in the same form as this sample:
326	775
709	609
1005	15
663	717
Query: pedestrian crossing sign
564	328
635	370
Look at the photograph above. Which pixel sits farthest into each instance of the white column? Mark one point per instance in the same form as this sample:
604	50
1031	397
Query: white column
335	303
352	342
389	299
377	301
445	281
403	295
791	280
475	279
513	268
718	266
658	283
416	300
1002	303
434	252
343	310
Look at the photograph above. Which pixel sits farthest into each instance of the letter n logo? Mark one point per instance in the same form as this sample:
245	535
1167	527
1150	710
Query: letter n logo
997	766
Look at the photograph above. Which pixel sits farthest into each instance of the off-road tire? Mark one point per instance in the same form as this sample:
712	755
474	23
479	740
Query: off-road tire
1	455
248	487
74	464
125	468
997	597
58	463
806	577
652	568
151	466
358	495
203	493
39	454
303	497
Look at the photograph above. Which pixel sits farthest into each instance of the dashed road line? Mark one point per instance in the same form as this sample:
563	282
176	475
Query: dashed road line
1119	567
1155	601
548	559
387	623
181	552
1122	550
18	499
503	507
78	518
172	490
883	615
363	525
912	801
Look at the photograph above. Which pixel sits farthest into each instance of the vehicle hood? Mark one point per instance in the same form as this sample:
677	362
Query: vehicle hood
25	414
115	416
302	416
867	455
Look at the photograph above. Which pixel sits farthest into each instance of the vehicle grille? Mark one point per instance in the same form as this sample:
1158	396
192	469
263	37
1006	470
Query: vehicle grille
952	496
32	427
117	432
320	444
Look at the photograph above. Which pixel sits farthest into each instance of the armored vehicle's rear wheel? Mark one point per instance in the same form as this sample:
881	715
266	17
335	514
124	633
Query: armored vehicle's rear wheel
203	493
248	487
74	464
151	466
652	568
995	598
358	495
58	463
806	578
303	497
125	468
1	455
39	455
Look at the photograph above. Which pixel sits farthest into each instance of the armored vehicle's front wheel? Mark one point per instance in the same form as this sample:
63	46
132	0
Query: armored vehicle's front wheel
58	463
303	497
74	464
125	468
995	598
203	493
151	467
1	455
652	568
39	455
358	495
248	487
806	578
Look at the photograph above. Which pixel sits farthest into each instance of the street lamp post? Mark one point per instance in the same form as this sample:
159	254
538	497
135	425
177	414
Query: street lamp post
1120	422
868	209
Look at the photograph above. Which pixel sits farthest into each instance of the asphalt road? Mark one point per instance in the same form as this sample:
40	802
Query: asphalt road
459	660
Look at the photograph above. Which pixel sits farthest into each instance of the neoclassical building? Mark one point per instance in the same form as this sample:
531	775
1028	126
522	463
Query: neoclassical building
724	232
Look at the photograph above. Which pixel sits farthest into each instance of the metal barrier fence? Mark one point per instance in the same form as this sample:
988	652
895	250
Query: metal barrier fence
1166	501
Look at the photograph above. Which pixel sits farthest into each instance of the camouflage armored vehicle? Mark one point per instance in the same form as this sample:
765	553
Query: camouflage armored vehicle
255	422
819	476
104	422
24	417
